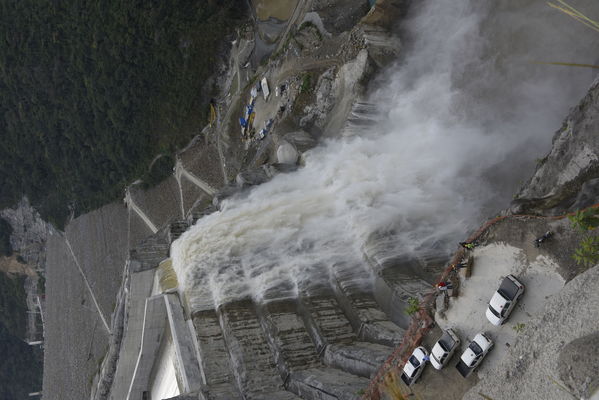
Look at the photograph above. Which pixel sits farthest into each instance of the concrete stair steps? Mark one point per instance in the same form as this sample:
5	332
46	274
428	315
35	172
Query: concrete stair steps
335	338
214	360
151	251
176	229
251	358
221	391
196	214
359	358
331	323
326	384
288	337
296	357
360	307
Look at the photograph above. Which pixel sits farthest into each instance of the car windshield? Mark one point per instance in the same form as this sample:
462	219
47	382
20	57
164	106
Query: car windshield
503	294
494	312
443	347
414	361
475	348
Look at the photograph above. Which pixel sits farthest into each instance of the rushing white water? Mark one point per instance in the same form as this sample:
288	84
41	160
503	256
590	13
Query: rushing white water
465	113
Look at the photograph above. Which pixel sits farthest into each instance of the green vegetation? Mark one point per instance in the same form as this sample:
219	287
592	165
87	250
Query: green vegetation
306	86
20	364
519	327
5	232
585	220
13	306
413	306
160	170
90	92
587	252
20	367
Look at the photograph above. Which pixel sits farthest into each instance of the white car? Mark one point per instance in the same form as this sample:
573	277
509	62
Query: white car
476	351
414	366
444	348
504	300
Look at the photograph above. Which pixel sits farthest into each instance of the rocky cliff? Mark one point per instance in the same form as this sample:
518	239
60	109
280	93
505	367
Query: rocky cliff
566	179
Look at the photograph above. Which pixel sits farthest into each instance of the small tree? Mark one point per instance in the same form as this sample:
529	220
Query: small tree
413	306
585	220
587	252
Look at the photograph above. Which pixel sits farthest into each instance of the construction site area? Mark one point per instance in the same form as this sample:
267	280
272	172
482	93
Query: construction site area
130	318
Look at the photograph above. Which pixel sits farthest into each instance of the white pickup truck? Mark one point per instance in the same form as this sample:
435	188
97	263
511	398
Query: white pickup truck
444	348
504	300
414	366
476	351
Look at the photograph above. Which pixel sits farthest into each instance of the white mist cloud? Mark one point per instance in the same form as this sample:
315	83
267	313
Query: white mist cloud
465	113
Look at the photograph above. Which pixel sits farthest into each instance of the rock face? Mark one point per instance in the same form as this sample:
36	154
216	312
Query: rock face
579	365
336	21
563	180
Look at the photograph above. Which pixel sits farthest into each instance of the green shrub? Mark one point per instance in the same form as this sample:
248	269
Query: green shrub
413	306
306	86
585	220
587	252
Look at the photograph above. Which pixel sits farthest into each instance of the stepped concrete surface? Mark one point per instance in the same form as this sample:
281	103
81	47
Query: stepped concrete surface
297	358
251	359
176	229
217	377
150	252
361	308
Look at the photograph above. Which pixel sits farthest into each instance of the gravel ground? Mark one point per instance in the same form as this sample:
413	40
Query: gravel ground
466	313
75	338
531	370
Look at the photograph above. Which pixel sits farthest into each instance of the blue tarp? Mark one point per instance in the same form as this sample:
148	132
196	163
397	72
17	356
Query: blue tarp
243	122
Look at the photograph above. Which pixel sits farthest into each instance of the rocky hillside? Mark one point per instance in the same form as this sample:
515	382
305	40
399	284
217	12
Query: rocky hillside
566	179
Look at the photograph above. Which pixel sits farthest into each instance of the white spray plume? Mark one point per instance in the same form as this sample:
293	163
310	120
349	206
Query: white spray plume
466	114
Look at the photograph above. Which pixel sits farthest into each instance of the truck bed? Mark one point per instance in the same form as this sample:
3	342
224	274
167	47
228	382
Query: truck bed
463	369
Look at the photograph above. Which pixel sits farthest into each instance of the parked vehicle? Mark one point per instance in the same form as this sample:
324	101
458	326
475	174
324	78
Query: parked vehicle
414	366
476	351
444	348
504	300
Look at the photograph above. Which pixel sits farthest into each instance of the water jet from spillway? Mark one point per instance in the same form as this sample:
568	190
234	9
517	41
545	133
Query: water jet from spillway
465	113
